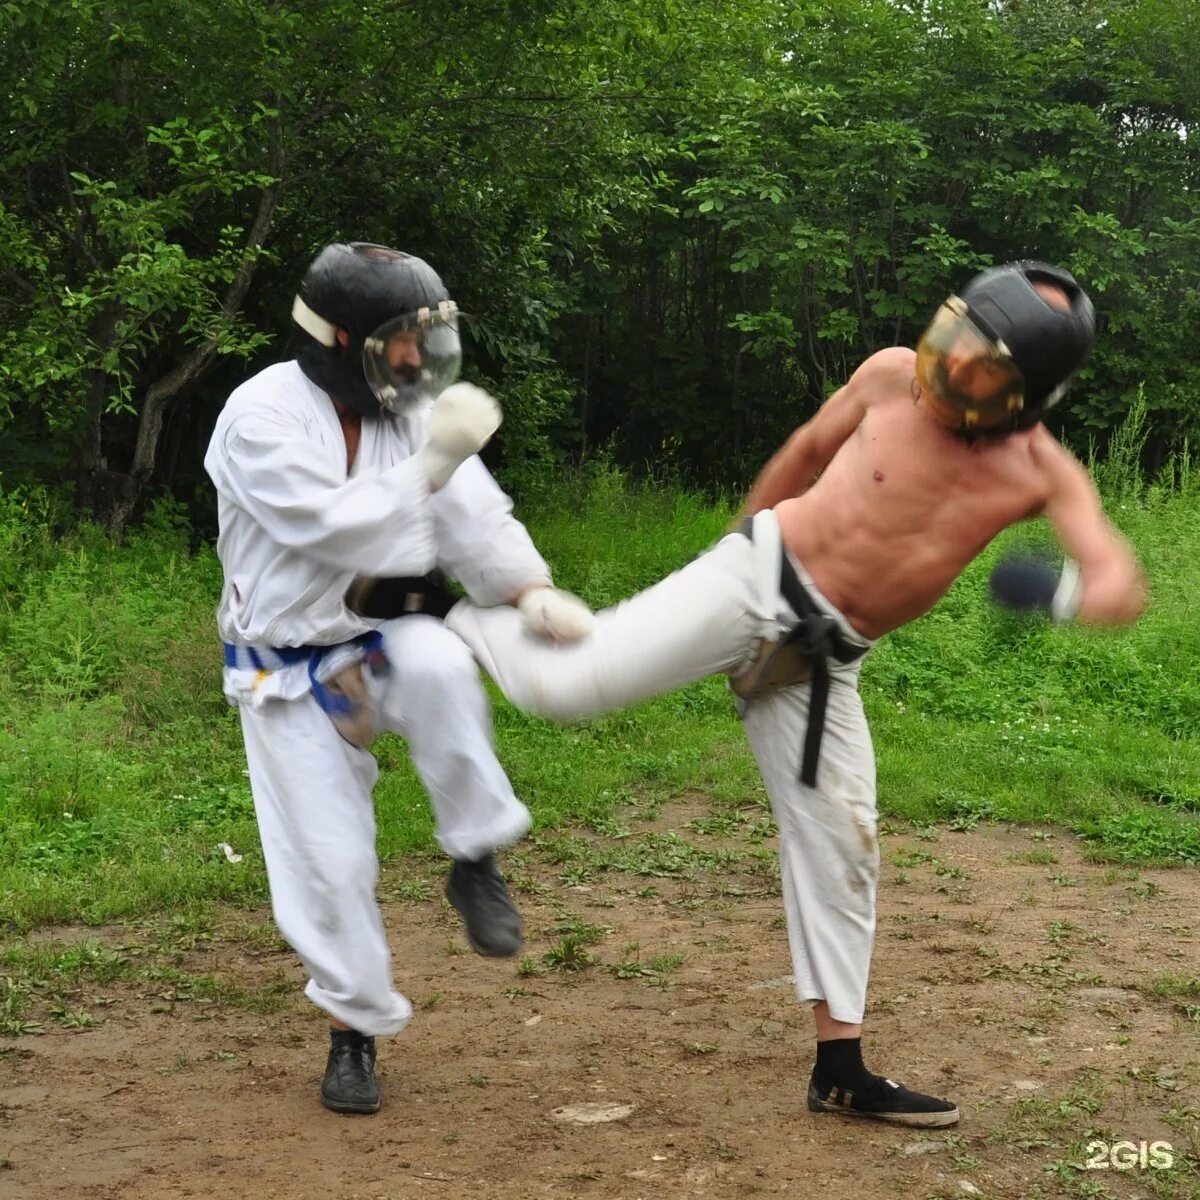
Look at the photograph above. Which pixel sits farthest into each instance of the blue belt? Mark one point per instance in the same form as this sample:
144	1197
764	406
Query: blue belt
267	658
272	658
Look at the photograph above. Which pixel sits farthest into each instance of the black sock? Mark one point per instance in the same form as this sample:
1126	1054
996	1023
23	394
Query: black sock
840	1064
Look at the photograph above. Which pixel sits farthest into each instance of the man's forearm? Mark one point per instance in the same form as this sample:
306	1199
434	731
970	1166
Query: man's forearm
812	447
790	472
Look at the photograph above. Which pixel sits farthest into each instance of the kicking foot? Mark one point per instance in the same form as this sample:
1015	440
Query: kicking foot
478	891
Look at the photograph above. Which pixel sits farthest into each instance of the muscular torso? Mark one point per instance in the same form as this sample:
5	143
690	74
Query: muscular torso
904	505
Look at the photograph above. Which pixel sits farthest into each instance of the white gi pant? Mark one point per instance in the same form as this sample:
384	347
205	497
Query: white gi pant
705	619
312	797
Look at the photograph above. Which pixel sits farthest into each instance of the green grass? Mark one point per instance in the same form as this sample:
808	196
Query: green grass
57	983
121	766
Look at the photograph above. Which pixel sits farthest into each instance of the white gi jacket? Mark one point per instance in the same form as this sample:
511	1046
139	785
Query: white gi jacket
295	528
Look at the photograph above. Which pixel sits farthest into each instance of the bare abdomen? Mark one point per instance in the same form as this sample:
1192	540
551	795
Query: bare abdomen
880	568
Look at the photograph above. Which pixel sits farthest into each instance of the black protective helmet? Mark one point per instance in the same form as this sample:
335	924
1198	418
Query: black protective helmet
1022	349
401	324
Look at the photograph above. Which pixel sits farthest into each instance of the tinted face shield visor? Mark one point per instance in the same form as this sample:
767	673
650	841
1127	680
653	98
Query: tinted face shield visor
969	380
413	357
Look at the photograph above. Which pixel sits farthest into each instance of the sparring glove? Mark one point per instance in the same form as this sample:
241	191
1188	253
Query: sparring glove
1029	584
463	419
550	612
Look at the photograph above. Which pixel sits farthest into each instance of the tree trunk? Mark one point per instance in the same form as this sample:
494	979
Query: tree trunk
196	365
92	478
587	383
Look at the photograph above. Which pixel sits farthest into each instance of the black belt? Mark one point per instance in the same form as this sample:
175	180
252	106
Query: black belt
820	638
391	596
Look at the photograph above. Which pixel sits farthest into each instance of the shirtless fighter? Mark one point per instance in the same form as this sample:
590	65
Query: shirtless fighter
860	522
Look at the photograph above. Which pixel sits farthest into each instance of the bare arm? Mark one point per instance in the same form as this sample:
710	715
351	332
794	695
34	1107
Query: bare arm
794	467
1114	587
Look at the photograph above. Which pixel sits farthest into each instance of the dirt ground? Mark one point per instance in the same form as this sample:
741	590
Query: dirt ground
1052	998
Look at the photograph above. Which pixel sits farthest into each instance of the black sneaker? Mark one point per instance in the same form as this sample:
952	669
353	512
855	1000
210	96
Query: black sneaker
478	891
884	1101
350	1085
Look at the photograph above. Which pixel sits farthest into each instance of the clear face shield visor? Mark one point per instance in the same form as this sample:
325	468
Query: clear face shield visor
413	357
969	380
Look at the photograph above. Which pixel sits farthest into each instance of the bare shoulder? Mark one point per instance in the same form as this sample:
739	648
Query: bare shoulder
894	362
884	376
893	358
1052	458
1061	477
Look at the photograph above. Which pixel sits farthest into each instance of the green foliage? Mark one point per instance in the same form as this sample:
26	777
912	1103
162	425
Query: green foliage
1139	835
122	769
132	225
110	706
860	161
678	226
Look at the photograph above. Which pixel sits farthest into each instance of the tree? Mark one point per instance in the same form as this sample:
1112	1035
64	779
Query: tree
678	226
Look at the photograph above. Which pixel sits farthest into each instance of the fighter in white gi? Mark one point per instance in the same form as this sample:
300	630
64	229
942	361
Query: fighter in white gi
344	478
859	524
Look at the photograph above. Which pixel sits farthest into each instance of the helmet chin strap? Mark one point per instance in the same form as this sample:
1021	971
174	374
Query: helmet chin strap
313	324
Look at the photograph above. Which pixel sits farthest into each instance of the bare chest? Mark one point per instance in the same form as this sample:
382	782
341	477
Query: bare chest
907	468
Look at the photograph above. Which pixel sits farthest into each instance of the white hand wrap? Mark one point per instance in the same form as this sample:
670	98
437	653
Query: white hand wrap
1068	596
463	419
552	613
